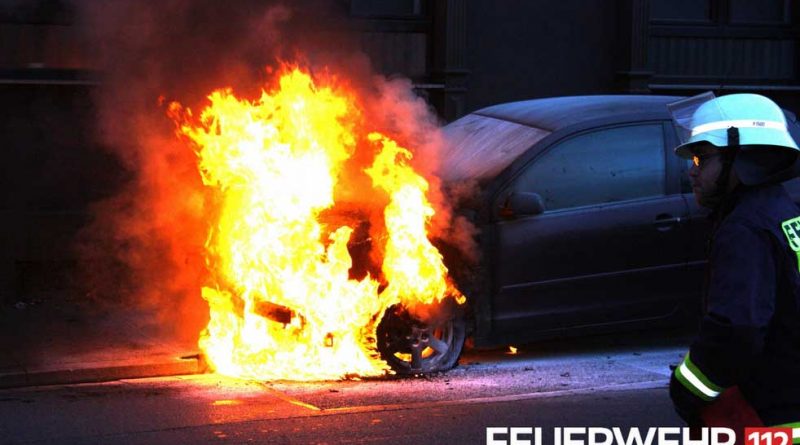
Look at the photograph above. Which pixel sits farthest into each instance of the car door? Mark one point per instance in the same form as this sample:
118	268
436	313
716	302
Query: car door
610	246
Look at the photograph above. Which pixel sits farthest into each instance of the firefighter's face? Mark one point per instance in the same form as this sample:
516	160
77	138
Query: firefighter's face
705	170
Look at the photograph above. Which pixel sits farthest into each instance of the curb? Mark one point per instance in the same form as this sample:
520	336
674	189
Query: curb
61	374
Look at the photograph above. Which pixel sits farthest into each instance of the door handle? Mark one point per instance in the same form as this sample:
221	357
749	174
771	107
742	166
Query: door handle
665	222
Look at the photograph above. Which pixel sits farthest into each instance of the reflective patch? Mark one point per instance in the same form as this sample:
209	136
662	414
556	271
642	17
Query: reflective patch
695	381
791	228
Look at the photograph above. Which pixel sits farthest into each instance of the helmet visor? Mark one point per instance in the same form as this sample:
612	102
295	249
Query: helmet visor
684	114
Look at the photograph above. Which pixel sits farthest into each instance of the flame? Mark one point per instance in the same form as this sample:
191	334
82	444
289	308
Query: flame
409	253
282	304
226	402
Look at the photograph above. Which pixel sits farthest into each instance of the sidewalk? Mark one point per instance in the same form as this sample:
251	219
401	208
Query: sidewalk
53	342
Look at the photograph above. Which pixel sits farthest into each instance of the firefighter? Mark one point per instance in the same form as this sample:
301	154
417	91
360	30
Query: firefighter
743	369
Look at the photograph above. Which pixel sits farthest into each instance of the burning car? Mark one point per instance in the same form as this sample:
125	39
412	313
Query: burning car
323	261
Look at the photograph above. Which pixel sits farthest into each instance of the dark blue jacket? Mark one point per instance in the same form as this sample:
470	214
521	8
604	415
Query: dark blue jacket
750	334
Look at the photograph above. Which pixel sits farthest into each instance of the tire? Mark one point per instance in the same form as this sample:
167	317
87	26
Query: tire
412	347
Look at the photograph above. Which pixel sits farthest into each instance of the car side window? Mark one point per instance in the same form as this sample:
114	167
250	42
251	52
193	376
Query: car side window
601	166
686	183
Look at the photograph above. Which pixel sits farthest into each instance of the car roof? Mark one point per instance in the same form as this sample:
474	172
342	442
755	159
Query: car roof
555	113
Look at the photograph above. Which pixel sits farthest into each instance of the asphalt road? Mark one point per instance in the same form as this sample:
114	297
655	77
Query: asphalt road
603	382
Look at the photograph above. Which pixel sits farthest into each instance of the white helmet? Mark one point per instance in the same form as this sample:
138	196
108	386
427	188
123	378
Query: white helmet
768	152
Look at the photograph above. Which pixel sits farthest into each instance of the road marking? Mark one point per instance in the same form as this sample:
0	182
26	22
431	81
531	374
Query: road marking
290	399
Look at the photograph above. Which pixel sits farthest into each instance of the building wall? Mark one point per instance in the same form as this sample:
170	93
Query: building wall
50	174
726	46
539	48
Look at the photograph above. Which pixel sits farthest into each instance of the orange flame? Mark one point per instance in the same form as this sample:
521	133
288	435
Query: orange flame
282	304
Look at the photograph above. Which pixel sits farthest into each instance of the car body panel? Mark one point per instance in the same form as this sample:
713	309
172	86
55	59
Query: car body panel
586	268
607	262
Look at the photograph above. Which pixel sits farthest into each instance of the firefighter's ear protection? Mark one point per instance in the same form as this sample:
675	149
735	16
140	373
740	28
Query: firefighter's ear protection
749	130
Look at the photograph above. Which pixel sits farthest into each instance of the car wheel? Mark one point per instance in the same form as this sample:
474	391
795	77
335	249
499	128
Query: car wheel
411	346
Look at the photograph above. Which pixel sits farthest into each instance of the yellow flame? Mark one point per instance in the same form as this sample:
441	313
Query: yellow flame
512	350
226	402
413	267
276	162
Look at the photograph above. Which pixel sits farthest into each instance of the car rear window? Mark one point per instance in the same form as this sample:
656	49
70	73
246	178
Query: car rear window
480	147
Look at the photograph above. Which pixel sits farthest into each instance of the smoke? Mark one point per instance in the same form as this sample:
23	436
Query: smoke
407	118
146	243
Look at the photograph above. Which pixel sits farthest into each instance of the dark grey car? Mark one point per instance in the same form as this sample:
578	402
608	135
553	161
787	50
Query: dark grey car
587	221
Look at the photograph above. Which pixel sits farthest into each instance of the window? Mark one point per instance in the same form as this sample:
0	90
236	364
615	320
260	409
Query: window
686	183
685	10
386	7
759	11
609	165
480	147
720	12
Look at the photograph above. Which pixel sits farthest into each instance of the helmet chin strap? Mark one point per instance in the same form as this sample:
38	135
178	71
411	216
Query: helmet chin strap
728	155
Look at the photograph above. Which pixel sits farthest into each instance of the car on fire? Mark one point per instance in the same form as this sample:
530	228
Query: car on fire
586	220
